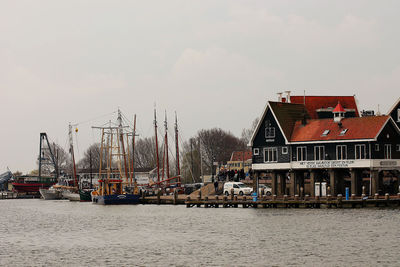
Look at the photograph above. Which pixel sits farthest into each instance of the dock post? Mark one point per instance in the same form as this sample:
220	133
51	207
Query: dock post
274	184
187	202
354	181
158	197
232	193
376	197
175	197
143	197
312	182
244	204
235	199
374	181
206	202
224	200
387	198
333	180
296	199
316	204
339	201
216	201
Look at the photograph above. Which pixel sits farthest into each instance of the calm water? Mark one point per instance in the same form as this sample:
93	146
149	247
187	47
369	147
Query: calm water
38	232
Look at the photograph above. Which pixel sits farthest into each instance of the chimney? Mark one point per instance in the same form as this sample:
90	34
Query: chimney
287	96
279	97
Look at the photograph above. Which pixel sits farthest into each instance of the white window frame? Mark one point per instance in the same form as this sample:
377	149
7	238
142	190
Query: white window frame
319	148
358	148
256	151
271	152
269	132
342	148
285	150
388	151
301	153
377	147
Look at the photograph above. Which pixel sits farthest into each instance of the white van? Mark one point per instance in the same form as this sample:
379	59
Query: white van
238	188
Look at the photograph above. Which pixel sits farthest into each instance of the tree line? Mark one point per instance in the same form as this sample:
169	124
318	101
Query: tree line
197	155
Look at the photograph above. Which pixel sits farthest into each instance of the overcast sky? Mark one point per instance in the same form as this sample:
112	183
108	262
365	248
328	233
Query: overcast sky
214	62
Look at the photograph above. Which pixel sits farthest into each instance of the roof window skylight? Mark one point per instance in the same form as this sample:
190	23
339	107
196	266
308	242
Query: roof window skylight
343	132
325	133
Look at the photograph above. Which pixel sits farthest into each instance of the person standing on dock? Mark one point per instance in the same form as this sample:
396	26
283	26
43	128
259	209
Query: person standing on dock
216	186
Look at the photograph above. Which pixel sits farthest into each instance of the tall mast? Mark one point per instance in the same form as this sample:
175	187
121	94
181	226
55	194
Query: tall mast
122	143
133	149
166	143
178	169
71	150
133	154
157	158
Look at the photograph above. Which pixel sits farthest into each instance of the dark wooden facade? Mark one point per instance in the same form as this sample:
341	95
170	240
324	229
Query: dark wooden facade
349	163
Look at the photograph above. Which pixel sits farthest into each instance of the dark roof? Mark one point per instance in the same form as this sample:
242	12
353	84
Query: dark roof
287	114
357	128
313	103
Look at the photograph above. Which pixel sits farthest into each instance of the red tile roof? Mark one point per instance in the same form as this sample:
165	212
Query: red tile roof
238	155
357	128
316	102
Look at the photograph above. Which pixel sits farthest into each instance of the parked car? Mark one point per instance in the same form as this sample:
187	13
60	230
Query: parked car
238	188
267	190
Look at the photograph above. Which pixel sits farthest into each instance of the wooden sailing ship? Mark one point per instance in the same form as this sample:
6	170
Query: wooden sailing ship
114	144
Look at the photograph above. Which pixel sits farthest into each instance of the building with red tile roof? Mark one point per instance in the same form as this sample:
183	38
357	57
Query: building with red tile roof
315	139
240	160
318	106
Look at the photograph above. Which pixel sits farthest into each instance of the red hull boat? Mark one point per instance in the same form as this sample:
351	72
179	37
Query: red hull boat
31	184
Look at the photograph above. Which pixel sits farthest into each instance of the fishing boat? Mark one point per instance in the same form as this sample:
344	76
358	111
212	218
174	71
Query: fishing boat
29	184
85	195
112	191
50	194
32	184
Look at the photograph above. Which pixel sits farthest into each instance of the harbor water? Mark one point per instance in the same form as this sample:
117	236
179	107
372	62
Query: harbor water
62	233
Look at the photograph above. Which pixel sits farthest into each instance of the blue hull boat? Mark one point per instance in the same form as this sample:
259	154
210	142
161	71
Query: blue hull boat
117	199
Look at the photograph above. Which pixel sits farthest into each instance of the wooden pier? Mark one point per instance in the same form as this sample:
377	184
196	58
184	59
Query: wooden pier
294	202
305	202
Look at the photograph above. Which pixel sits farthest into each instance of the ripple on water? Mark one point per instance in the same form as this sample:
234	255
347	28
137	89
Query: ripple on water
37	232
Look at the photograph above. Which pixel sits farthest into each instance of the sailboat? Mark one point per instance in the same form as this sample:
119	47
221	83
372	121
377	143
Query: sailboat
114	190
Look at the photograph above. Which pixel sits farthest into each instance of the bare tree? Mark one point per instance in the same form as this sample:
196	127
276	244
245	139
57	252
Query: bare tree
91	158
247	133
216	145
61	157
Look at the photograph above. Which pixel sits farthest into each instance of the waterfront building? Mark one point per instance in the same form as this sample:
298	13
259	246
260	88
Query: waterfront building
240	160
307	145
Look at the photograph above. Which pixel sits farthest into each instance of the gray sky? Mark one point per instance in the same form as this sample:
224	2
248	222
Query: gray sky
214	62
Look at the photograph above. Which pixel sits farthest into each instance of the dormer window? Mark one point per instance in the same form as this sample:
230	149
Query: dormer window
325	133
343	132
